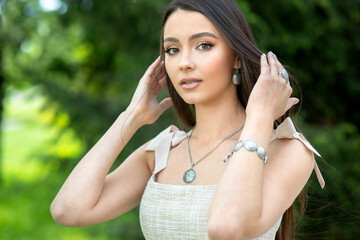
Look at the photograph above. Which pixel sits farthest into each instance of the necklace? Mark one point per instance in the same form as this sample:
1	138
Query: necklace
190	174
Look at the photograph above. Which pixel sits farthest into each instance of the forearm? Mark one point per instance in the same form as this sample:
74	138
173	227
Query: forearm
83	187
238	198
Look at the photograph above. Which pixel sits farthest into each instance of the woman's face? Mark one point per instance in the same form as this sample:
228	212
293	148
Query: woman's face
198	60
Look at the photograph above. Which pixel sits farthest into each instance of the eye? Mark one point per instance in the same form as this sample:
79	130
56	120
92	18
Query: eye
205	46
172	51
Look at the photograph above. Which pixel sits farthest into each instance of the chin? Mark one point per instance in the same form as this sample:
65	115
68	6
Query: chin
196	97
192	98
189	101
193	101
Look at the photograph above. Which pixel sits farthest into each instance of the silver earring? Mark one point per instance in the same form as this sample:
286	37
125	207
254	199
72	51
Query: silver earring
236	77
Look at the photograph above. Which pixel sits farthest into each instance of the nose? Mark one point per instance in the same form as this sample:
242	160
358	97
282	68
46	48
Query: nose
186	64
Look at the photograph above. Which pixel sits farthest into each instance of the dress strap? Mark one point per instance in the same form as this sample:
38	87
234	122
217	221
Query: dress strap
162	143
287	130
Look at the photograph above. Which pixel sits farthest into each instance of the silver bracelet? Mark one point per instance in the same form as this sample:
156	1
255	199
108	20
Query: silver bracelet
249	145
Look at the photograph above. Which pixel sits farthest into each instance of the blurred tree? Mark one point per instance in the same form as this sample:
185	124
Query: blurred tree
2	84
2	92
85	57
321	39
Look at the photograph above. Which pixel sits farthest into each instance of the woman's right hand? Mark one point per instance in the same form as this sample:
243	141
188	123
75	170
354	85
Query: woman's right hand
144	103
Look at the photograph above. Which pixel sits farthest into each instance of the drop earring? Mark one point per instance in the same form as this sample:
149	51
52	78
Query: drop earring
236	77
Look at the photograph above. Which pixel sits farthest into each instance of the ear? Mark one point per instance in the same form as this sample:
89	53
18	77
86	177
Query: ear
237	64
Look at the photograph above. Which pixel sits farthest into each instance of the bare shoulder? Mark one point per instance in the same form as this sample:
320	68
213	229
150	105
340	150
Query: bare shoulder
147	158
289	167
140	161
165	139
290	152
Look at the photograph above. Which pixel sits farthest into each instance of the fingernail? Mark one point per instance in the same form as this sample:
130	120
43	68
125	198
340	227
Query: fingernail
296	101
263	55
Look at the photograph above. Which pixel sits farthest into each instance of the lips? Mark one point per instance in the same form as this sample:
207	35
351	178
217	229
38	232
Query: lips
189	83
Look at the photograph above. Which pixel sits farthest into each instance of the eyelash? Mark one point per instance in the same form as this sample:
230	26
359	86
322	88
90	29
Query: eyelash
207	45
169	49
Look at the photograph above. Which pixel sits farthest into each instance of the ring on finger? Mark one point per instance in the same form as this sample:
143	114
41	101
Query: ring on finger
285	75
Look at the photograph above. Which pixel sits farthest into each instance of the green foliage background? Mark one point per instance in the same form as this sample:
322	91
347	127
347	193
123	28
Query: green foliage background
81	63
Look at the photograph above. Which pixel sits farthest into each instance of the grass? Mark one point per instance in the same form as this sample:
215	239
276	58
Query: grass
29	183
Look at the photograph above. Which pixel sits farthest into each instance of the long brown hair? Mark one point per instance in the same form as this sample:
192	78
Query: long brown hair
230	21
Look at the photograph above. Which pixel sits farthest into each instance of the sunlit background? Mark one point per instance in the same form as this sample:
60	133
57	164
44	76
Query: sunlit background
68	68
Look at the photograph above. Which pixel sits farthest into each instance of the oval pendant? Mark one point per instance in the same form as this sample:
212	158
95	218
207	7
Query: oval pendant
189	175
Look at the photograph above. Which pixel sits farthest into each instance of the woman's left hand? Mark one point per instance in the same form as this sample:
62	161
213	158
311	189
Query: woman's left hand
270	96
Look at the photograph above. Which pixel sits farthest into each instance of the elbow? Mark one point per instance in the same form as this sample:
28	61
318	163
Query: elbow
62	216
229	229
221	231
57	213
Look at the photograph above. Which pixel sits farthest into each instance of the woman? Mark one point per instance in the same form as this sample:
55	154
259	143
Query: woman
211	182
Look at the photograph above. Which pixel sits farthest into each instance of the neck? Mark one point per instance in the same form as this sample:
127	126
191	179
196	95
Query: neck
217	120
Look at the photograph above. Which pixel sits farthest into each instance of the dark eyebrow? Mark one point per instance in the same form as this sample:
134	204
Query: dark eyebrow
171	40
203	34
198	35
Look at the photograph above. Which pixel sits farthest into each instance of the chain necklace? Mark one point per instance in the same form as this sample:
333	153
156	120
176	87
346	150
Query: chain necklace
190	174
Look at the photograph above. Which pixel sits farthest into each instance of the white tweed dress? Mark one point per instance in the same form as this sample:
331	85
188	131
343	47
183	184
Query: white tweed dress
169	211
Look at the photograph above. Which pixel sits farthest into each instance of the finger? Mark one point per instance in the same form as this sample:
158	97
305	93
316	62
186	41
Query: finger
264	64
165	104
151	69
160	86
291	102
274	71
161	70
158	74
277	62
163	82
280	66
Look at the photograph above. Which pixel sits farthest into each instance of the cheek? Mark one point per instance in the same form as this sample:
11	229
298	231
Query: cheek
219	64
